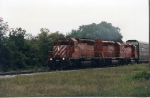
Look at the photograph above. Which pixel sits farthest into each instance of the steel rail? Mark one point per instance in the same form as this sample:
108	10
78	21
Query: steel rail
22	72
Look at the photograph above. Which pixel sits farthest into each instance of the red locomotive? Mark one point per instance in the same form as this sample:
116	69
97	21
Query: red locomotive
71	52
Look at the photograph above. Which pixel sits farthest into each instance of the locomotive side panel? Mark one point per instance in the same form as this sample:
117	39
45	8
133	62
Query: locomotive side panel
128	52
108	49
105	49
111	50
85	51
98	48
90	51
76	53
118	50
82	50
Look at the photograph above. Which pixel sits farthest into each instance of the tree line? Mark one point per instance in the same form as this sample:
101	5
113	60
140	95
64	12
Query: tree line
23	51
103	30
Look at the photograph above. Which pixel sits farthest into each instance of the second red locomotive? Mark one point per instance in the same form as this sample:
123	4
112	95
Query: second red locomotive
72	52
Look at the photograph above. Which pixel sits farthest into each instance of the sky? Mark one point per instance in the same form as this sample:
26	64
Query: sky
131	16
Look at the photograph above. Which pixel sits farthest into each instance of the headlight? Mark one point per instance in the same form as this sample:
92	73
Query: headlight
50	59
58	48
63	58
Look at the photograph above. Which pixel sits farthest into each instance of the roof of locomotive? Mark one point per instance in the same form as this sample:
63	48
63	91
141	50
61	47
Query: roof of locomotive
73	39
141	42
109	41
85	39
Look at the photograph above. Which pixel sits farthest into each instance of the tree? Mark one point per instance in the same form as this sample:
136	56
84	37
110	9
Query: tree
4	56
45	43
4	28
103	30
16	44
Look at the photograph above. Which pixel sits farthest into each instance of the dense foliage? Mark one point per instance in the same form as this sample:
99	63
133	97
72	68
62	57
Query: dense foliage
102	30
19	50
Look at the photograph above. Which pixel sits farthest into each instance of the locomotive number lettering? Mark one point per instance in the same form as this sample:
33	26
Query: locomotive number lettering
110	48
81	46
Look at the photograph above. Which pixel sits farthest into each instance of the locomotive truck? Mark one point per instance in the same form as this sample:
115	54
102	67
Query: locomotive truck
73	53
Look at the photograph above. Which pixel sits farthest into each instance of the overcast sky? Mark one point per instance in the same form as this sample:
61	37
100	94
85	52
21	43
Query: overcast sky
131	16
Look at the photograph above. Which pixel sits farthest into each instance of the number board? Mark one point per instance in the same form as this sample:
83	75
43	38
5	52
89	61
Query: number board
110	48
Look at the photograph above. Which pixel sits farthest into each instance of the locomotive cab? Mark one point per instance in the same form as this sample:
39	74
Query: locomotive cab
62	51
64	47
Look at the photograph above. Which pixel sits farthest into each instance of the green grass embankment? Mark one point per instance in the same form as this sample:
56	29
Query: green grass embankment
111	81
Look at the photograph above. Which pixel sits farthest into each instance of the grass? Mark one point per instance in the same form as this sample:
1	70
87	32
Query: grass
111	81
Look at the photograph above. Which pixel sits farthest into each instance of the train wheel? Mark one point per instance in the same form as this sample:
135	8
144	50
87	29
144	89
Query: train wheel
122	61
68	65
106	63
126	62
73	65
63	65
93	63
96	63
119	63
103	63
110	63
78	64
99	63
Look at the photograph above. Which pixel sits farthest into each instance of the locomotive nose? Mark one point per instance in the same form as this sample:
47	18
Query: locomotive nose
58	48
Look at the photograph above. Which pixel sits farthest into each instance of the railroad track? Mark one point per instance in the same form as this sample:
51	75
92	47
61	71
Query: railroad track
22	72
37	71
31	71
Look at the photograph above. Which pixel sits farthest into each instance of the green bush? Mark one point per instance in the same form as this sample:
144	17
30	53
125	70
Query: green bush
35	68
141	75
